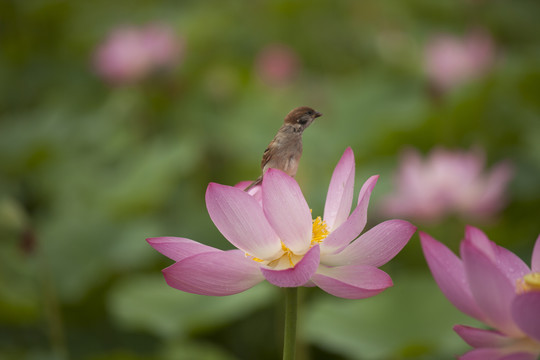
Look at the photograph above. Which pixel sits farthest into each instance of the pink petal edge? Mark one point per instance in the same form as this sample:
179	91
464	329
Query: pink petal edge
352	281
176	248
340	191
526	313
520	356
494	354
254	191
298	275
242	184
448	271
353	226
214	273
535	261
481	241
287	210
375	247
240	218
482	338
511	265
490	287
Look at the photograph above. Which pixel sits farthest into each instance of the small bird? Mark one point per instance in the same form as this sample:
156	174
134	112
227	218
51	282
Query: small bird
285	150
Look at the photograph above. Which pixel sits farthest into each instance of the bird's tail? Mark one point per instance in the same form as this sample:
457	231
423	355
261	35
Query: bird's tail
253	184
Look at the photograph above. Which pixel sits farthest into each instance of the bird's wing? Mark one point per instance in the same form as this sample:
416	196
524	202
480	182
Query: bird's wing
267	155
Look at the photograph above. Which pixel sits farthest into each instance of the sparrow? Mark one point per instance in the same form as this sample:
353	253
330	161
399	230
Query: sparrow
285	150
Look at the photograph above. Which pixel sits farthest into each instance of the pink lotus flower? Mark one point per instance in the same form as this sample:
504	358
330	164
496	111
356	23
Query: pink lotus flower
131	53
451	60
447	182
494	286
277	240
277	64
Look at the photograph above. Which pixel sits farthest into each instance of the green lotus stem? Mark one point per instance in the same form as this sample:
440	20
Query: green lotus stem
291	310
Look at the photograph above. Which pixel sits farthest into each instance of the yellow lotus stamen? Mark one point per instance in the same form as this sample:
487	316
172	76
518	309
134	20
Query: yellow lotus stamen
284	248
530	282
288	253
319	231
254	258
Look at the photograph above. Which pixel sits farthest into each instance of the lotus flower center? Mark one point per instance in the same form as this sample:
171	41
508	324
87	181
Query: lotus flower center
319	232
288	259
530	282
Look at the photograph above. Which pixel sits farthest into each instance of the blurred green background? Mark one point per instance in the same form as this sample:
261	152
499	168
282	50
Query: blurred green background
90	168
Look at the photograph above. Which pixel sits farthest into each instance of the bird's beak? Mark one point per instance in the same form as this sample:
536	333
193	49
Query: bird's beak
317	114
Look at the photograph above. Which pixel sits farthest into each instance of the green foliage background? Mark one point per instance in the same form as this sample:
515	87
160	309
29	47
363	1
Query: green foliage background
89	171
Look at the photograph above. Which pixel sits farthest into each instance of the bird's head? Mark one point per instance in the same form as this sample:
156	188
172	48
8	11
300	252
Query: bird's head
301	117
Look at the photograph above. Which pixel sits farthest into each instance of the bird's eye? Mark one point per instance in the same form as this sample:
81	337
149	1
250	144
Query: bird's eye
310	112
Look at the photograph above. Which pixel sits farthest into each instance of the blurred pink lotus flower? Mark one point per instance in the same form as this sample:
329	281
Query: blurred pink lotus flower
277	64
277	240
494	286
451	60
446	182
131	53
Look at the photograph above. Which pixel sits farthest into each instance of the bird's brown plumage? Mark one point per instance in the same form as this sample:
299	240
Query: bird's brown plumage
285	150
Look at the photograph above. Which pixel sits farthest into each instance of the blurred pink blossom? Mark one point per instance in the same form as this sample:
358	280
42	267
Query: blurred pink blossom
277	64
447	182
451	60
494	286
131	53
